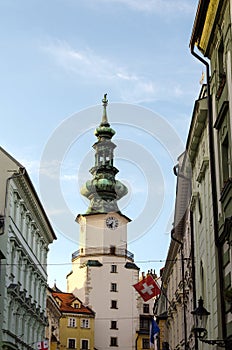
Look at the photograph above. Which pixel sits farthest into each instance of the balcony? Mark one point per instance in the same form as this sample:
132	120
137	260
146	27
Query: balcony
97	251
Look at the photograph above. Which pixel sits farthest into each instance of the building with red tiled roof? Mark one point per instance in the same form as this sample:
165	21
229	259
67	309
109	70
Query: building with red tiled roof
76	323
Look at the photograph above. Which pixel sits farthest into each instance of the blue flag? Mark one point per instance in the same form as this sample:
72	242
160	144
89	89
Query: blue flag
154	330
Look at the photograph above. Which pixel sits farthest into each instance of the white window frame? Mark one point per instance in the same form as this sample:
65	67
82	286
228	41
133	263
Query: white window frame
85	323
72	322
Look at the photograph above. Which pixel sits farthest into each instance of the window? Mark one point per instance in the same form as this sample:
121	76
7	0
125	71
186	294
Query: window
85	323
202	280
113	269
71	322
113	287
113	341
112	250
114	304
146	343
84	344
225	158
114	325
144	323
71	343
221	68
58	301
146	308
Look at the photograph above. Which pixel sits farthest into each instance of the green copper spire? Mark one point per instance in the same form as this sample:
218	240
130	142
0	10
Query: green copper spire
104	115
104	131
103	190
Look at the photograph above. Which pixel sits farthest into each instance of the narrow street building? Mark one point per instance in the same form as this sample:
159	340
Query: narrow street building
211	44
205	252
25	236
53	324
173	310
208	149
76	322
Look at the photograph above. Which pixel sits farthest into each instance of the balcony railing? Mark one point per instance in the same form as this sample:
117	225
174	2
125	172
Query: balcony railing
103	251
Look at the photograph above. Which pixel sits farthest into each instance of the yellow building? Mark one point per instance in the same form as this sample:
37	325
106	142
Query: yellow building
76	323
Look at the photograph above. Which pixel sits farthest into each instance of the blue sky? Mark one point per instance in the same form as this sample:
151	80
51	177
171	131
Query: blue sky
58	58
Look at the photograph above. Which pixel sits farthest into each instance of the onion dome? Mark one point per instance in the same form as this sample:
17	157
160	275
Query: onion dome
103	190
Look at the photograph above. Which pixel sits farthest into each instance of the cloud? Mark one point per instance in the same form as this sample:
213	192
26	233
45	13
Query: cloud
157	6
70	177
85	63
95	70
55	212
49	169
126	76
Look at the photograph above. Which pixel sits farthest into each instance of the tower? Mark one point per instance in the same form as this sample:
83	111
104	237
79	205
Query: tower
103	270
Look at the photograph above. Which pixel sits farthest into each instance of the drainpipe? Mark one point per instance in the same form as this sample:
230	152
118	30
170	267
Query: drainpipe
183	288
193	270
213	185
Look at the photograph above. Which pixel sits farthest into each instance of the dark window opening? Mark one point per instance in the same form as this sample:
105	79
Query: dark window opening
113	287
113	341
72	343
113	268
144	323
114	304
146	343
146	308
114	325
225	159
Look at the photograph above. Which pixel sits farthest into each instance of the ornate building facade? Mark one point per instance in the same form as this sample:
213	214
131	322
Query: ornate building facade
211	44
173	310
209	150
25	236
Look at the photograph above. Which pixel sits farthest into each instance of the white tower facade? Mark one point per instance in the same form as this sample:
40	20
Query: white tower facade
103	270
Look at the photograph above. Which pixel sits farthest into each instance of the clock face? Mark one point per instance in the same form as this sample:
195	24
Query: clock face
112	222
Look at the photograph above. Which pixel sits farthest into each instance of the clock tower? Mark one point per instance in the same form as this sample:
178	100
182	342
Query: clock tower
103	270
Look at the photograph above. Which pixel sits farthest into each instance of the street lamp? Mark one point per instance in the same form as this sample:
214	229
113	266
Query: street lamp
200	315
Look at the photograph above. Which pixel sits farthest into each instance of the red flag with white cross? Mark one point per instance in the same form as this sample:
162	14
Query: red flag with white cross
147	288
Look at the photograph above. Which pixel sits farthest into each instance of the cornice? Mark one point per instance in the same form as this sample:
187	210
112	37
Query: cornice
35	206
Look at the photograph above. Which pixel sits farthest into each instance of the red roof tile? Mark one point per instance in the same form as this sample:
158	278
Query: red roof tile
66	304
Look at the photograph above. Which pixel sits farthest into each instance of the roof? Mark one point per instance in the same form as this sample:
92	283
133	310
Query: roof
199	21
23	171
66	304
54	289
204	24
97	213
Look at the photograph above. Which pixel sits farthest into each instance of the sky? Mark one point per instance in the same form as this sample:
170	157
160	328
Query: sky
58	59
